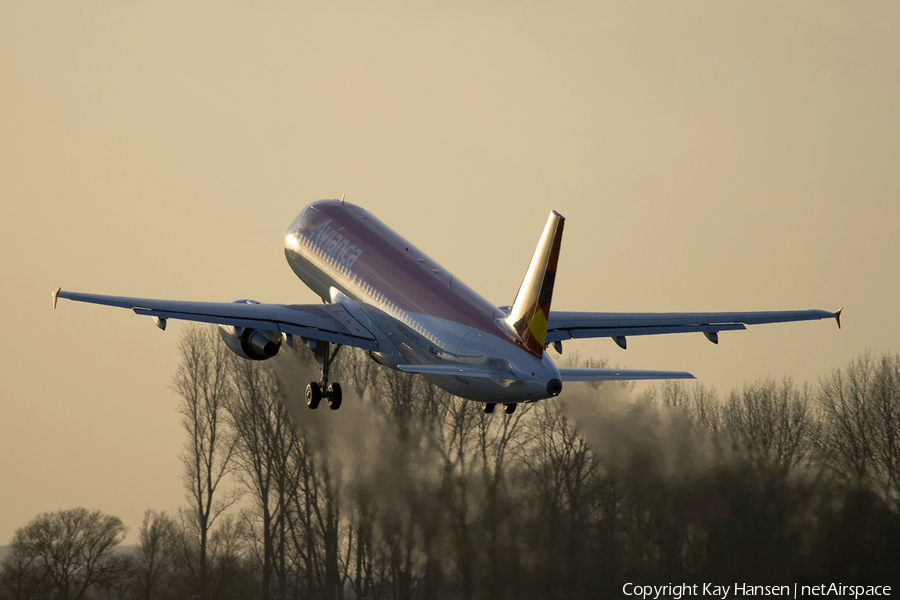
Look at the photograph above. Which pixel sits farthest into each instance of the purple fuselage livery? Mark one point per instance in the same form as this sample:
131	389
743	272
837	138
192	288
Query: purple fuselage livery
421	314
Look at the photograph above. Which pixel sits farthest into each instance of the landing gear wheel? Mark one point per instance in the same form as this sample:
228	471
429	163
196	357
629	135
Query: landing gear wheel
509	408
313	394
334	396
487	407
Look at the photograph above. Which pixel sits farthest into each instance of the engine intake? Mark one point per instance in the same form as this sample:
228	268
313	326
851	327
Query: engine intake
252	344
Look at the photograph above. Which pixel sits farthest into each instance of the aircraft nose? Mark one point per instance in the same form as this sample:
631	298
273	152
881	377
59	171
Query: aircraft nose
554	387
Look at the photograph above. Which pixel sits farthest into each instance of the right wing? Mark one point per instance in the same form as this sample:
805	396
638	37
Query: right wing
325	322
575	325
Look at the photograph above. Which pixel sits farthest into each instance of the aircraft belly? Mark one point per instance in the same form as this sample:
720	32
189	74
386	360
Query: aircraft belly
450	343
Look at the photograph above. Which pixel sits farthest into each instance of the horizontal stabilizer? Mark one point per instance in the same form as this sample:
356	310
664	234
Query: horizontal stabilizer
455	370
583	374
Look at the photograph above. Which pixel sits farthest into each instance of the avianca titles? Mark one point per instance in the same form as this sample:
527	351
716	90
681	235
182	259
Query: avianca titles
384	295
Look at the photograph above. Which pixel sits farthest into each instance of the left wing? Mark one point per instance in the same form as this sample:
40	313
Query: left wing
325	322
575	325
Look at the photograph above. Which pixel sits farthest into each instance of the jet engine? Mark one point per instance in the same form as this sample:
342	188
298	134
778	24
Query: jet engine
254	344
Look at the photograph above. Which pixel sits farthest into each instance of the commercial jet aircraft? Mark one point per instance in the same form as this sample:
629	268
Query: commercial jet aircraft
384	295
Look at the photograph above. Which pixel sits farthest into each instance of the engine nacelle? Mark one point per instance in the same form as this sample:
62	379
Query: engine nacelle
253	344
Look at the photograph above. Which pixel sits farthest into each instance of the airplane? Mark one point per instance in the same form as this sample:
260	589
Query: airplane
382	294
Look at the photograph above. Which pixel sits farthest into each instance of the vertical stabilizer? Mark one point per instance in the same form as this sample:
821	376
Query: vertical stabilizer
531	309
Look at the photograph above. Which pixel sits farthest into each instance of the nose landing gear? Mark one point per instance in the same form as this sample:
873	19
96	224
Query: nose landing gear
314	391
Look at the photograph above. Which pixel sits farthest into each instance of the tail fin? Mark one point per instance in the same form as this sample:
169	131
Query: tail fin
531	309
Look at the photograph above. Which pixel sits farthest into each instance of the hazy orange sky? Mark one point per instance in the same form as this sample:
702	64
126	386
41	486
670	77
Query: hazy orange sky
707	155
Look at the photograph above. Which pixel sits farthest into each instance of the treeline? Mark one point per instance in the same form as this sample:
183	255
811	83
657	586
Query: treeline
409	493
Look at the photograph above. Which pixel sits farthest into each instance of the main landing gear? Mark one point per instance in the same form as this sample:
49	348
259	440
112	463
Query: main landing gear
488	408
314	391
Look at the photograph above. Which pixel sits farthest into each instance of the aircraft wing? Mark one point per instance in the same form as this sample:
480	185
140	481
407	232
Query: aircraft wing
576	325
325	322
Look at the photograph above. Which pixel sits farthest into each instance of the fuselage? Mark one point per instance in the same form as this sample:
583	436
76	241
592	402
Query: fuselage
418	311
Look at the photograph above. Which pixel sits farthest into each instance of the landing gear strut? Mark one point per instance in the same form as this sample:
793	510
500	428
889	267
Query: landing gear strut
314	391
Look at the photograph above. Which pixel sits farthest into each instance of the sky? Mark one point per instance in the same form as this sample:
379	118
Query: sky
707	156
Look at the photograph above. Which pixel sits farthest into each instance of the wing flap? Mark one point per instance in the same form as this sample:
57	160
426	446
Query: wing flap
325	322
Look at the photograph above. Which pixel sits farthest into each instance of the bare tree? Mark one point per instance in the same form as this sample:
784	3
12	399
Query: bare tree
21	577
860	438
231	575
301	518
66	553
567	480
885	398
315	524
453	435
155	560
698	401
846	441
264	437
202	382
775	423
500	439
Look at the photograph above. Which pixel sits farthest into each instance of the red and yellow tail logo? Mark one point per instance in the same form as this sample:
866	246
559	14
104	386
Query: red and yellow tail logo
531	309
